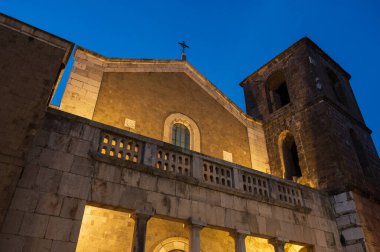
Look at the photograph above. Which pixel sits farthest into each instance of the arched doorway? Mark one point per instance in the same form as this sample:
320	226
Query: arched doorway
173	244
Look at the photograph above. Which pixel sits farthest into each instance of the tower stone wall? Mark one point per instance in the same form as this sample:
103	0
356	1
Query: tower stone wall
334	148
322	116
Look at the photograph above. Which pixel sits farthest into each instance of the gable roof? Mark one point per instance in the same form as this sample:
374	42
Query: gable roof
158	65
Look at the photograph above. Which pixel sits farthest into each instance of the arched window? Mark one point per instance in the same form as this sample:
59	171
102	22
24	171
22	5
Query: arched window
277	90
289	156
181	135
360	153
337	87
181	130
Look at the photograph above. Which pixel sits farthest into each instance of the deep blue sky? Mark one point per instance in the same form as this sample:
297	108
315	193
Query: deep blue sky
228	39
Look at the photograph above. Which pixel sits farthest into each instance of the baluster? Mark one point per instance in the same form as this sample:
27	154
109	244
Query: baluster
150	154
196	167
237	183
272	189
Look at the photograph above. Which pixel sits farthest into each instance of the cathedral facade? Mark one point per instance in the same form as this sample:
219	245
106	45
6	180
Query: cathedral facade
148	155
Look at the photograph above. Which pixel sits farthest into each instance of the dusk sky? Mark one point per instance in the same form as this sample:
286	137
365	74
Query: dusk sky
228	39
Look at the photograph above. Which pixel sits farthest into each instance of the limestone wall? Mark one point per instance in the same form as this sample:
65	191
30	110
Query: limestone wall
138	95
64	173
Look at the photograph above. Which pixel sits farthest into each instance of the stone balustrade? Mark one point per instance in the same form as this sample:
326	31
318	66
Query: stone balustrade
215	172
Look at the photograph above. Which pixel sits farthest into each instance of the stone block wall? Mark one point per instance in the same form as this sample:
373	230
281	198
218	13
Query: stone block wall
83	86
30	63
368	217
64	173
357	220
319	123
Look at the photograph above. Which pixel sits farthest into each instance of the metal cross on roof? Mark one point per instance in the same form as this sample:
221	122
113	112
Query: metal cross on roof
183	45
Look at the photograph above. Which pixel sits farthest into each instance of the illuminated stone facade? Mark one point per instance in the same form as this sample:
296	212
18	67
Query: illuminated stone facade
99	173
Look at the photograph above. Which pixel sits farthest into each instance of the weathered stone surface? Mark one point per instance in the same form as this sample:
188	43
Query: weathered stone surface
29	67
59	228
79	147
60	246
108	172
74	186
34	225
112	194
11	242
36	245
355	248
12	222
72	208
25	200
29	176
82	166
56	160
48	180
49	204
148	182
345	207
354	233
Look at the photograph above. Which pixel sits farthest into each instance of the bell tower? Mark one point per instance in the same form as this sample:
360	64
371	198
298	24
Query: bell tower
314	130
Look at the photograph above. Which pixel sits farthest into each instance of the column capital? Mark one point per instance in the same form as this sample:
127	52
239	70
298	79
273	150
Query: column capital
239	232
197	223
278	244
276	241
143	213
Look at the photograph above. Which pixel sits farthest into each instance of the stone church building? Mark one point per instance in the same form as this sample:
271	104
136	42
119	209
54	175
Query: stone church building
148	155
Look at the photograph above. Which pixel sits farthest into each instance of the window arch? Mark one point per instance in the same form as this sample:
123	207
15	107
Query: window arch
360	153
177	120
277	91
289	156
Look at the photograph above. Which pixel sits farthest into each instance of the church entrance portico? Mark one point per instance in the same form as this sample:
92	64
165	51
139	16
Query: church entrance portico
116	230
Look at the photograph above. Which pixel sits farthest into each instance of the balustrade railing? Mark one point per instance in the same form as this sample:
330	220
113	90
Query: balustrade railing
209	170
121	147
174	162
216	174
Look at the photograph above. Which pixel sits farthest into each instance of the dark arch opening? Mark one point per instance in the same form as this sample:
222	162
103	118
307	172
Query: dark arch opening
277	90
337	87
290	158
360	153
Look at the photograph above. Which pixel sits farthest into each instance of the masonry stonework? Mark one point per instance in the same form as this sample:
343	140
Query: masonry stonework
31	62
50	200
334	147
97	173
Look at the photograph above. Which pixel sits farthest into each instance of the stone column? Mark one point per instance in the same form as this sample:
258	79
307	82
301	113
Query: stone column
141	221
278	244
239	237
195	227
